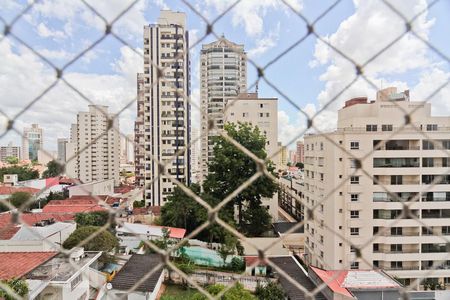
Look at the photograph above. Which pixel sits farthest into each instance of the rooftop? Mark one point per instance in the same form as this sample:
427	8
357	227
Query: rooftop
36	233
343	281
142	229
136	268
61	267
75	204
8	190
292	268
282	227
18	264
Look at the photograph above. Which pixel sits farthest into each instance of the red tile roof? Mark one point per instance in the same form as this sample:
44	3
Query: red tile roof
156	210
18	264
8	190
8	229
123	189
72	205
250	260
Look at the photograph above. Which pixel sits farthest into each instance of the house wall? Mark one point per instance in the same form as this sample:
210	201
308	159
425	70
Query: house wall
105	187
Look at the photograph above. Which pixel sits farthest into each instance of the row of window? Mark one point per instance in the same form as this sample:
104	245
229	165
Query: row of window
389	127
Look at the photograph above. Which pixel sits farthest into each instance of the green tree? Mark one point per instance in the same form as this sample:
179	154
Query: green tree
237	292
95	218
230	168
104	241
300	165
18	200
237	264
228	247
54	169
23	172
162	243
12	160
270	291
19	286
256	220
138	203
182	211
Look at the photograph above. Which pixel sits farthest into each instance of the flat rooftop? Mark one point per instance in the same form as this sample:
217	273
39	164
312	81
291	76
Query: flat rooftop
61	267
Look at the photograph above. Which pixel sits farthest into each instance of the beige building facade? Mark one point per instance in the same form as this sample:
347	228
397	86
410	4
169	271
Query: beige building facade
99	147
405	165
10	151
32	142
162	129
223	75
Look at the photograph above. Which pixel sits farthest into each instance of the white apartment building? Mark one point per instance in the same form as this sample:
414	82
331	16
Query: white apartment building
71	151
162	127
98	147
195	155
9	151
300	151
261	112
32	141
62	145
401	162
223	75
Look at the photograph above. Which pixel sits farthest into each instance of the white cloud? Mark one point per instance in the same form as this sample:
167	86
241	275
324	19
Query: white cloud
266	43
46	32
361	36
250	14
290	129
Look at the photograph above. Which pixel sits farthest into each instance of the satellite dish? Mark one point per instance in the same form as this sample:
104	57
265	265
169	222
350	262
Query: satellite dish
109	286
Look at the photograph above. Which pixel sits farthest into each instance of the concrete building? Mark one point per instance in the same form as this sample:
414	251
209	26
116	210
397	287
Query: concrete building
10	151
62	148
261	112
223	75
96	188
300	152
406	163
195	155
127	149
32	141
282	156
99	147
44	156
71	153
162	127
292	157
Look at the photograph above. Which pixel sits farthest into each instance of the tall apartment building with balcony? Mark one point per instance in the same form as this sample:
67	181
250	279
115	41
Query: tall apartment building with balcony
32	142
97	150
9	151
162	129
402	163
223	75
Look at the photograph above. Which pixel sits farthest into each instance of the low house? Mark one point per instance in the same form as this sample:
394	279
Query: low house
355	284
142	274
130	235
103	187
74	205
7	191
254	266
18	264
45	235
63	277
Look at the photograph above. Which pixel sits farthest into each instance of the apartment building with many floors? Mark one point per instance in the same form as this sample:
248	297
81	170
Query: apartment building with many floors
223	75
162	128
383	186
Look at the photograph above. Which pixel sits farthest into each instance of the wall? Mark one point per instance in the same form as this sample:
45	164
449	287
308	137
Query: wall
105	187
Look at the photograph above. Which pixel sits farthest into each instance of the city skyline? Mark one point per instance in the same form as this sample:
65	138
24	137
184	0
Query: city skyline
413	72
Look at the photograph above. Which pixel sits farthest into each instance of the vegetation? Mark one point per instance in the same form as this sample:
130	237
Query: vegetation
237	292
176	292
105	241
23	172
17	200
19	286
137	203
12	160
270	291
96	218
300	165
229	169
54	169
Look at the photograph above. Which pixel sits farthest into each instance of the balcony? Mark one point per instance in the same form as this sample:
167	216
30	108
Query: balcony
396	145
406	162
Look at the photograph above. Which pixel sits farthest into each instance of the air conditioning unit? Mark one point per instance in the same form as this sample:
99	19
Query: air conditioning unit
77	253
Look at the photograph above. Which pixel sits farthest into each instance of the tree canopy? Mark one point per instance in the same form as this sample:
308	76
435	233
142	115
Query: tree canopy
23	172
17	199
95	218
270	291
19	286
54	169
13	160
237	292
104	241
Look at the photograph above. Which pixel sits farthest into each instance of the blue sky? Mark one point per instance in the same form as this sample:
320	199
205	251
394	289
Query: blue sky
310	75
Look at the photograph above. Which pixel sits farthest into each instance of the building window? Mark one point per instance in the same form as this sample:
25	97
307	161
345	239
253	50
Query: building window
432	127
261	115
396	265
245	115
371	127
354	145
354	197
386	127
353	163
396	248
396	179
427	145
261	105
376	263
354	265
321	146
76	281
354	214
354	179
354	231
446	230
396	231
321	254
376	248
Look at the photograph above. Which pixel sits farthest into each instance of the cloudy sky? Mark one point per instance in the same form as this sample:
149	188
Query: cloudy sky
308	76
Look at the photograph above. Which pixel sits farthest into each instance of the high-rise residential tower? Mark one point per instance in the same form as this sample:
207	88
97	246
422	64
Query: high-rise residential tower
401	166
9	151
162	129
223	75
62	145
98	146
300	152
32	142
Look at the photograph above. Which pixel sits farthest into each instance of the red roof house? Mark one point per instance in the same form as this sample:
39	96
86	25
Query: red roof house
18	264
